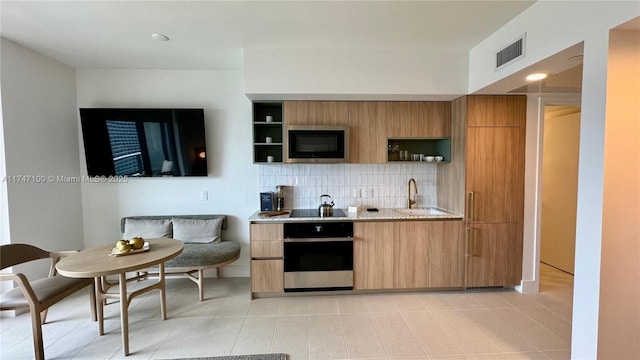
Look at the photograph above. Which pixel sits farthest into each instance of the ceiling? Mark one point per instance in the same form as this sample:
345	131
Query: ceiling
212	34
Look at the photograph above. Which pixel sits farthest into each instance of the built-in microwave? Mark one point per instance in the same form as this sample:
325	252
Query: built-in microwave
317	143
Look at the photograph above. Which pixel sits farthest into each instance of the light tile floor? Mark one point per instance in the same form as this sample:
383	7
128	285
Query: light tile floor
422	325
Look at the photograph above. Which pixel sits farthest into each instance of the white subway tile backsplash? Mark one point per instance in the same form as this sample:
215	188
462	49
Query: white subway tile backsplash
388	182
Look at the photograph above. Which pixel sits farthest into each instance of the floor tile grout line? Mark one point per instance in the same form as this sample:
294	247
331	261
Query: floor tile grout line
235	343
543	325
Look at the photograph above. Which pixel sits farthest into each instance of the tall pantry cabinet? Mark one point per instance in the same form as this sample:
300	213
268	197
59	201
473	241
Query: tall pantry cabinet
494	189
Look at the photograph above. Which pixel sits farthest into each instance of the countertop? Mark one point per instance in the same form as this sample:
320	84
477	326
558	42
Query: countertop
384	214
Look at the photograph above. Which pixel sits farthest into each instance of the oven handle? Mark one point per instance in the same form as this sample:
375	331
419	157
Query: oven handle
327	239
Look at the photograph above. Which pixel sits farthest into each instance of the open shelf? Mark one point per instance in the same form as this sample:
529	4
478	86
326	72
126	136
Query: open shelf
263	129
427	147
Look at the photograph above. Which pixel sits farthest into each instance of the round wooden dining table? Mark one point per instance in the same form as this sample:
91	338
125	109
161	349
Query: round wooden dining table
98	262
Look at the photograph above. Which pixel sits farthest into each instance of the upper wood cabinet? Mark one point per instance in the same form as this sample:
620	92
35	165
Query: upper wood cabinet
373	255
367	132
496	110
418	119
316	113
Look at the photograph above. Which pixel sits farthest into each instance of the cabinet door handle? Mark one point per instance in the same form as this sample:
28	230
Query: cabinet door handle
470	204
469	237
470	245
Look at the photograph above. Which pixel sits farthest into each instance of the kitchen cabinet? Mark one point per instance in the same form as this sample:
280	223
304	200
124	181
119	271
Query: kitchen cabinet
267	135
373	255
267	262
418	119
493	178
494	189
267	276
427	124
367	132
492	257
428	254
496	110
408	254
316	112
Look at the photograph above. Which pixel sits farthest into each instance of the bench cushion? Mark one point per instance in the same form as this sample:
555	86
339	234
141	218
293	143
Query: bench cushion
197	230
205	255
146	228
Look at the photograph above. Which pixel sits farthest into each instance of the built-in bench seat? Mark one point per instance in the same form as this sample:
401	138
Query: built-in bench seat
195	257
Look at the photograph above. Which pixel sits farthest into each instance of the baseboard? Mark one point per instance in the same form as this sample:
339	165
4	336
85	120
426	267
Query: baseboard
527	287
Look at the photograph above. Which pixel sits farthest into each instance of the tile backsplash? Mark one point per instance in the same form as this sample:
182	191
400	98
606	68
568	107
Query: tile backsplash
387	182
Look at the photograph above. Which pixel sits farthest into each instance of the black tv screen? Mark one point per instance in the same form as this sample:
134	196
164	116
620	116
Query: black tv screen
144	142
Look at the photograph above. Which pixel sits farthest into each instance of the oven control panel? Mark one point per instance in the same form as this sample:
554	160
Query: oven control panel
301	230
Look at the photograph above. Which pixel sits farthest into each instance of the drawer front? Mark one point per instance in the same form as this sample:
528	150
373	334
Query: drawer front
267	276
266	249
266	232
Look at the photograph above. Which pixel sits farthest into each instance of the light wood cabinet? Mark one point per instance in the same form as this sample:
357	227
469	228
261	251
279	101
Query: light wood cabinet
408	254
428	254
367	132
267	264
493	257
316	113
494	189
493	180
418	119
267	275
496	110
373	255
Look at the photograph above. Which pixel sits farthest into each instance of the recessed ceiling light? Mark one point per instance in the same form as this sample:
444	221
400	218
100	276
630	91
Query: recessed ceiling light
536	76
159	37
576	58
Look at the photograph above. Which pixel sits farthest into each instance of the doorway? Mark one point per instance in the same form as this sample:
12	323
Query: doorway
561	140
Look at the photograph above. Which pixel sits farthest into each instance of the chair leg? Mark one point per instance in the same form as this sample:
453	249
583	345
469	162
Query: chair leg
36	325
43	316
217	273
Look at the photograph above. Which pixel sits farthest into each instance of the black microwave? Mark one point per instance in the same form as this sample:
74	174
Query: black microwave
317	144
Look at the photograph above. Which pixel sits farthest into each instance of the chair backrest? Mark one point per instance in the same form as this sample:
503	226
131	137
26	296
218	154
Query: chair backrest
14	254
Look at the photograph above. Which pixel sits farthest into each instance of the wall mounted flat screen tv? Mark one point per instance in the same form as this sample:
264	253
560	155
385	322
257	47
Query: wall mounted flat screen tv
144	142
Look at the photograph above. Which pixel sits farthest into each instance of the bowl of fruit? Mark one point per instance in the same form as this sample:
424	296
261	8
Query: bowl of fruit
128	247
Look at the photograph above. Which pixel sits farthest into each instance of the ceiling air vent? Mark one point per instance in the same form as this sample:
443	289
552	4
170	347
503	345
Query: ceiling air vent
510	53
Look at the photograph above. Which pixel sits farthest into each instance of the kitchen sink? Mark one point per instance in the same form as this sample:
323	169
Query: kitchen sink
420	211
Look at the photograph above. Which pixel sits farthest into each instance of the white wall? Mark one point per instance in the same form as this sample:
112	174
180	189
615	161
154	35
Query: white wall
354	74
232	180
552	27
40	138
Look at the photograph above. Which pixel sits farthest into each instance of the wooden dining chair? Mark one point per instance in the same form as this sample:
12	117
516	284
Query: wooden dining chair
38	295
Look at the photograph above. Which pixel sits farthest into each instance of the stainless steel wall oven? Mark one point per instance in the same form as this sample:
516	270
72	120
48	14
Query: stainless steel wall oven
318	256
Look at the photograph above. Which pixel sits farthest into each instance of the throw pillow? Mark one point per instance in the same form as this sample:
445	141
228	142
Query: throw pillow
197	230
147	229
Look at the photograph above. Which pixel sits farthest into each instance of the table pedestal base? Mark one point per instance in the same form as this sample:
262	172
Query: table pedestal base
102	286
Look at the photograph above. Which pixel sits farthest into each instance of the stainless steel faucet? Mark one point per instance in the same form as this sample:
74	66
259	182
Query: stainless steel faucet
415	188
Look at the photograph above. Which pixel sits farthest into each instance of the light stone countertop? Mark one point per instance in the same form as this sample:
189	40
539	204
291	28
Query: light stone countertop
384	214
